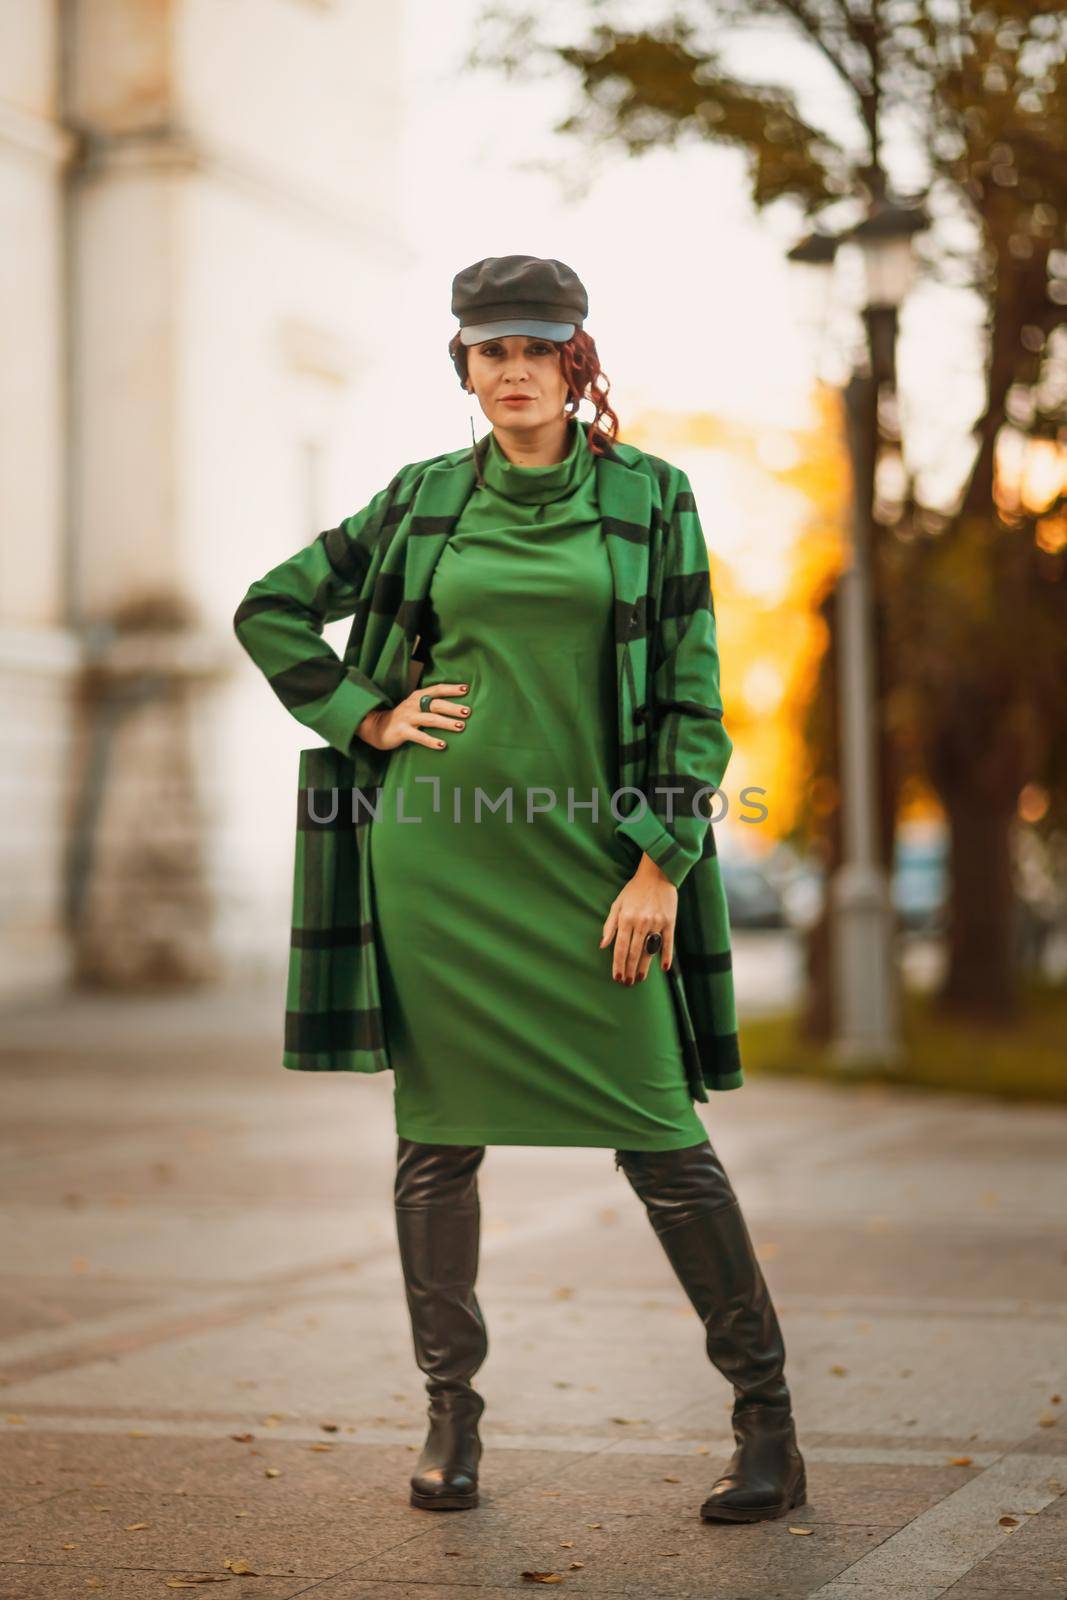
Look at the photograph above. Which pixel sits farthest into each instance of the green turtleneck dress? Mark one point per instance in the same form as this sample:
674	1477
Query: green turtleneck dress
503	1022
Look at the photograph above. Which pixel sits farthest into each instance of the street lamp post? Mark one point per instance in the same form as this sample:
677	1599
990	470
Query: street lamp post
866	1008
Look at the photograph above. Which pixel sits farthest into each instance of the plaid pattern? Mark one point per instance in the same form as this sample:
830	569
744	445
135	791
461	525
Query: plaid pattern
376	567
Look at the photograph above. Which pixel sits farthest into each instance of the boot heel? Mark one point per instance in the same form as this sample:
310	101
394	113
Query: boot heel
800	1494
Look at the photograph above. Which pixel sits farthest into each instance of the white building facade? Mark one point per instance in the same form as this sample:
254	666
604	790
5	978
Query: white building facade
200	253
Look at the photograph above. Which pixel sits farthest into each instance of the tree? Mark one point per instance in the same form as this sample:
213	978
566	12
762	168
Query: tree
973	589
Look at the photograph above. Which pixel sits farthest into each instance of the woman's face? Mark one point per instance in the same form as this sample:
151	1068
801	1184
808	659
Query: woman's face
517	380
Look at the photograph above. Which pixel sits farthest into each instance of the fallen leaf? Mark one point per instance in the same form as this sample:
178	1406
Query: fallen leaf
132	1527
14	1418
242	1513
575	1565
136	1433
1009	1522
566	1544
594	1524
628	1420
94	1583
803	1532
543	1577
666	1552
235	1564
71	1546
272	1472
672	1480
320	1446
273	1421
550	1493
330	1427
243	1438
960	1461
839	1372
1046	1422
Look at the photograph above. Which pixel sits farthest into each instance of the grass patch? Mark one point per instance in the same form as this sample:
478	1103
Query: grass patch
1028	1062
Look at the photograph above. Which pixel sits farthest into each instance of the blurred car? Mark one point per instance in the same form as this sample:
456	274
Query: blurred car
753	900
920	891
803	891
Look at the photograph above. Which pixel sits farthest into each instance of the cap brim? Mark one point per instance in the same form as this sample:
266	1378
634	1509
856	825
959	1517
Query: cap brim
557	331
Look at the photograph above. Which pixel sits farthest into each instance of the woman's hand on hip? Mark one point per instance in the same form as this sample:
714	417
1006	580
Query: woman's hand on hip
388	726
648	903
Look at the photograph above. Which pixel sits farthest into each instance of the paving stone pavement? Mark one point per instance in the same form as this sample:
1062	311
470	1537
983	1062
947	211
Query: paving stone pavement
205	1359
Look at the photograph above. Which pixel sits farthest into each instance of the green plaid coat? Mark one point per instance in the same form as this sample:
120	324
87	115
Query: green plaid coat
376	567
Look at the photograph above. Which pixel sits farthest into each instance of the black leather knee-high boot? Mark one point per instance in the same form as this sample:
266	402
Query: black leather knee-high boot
695	1213
437	1219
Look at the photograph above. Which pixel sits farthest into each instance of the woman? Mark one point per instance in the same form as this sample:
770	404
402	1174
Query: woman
509	914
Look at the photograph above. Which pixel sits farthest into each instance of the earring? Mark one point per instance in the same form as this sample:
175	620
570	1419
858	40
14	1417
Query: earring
474	443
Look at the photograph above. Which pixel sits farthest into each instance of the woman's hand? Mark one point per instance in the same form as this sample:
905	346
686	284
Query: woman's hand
648	903
388	726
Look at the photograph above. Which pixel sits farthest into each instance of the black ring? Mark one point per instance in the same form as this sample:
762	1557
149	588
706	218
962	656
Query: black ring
424	701
653	942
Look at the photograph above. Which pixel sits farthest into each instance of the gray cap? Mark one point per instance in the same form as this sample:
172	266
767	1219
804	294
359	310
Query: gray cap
542	298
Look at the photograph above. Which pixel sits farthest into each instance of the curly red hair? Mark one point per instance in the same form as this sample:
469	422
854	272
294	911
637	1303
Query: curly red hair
580	366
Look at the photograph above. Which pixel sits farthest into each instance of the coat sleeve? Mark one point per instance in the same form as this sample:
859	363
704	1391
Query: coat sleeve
280	620
689	748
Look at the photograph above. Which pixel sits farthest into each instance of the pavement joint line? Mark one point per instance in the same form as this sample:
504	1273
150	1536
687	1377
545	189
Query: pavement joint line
196	1320
901	1225
941	1545
70	1417
107	1324
845	1455
232	1305
32	1355
764	1219
340	1281
924	1306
